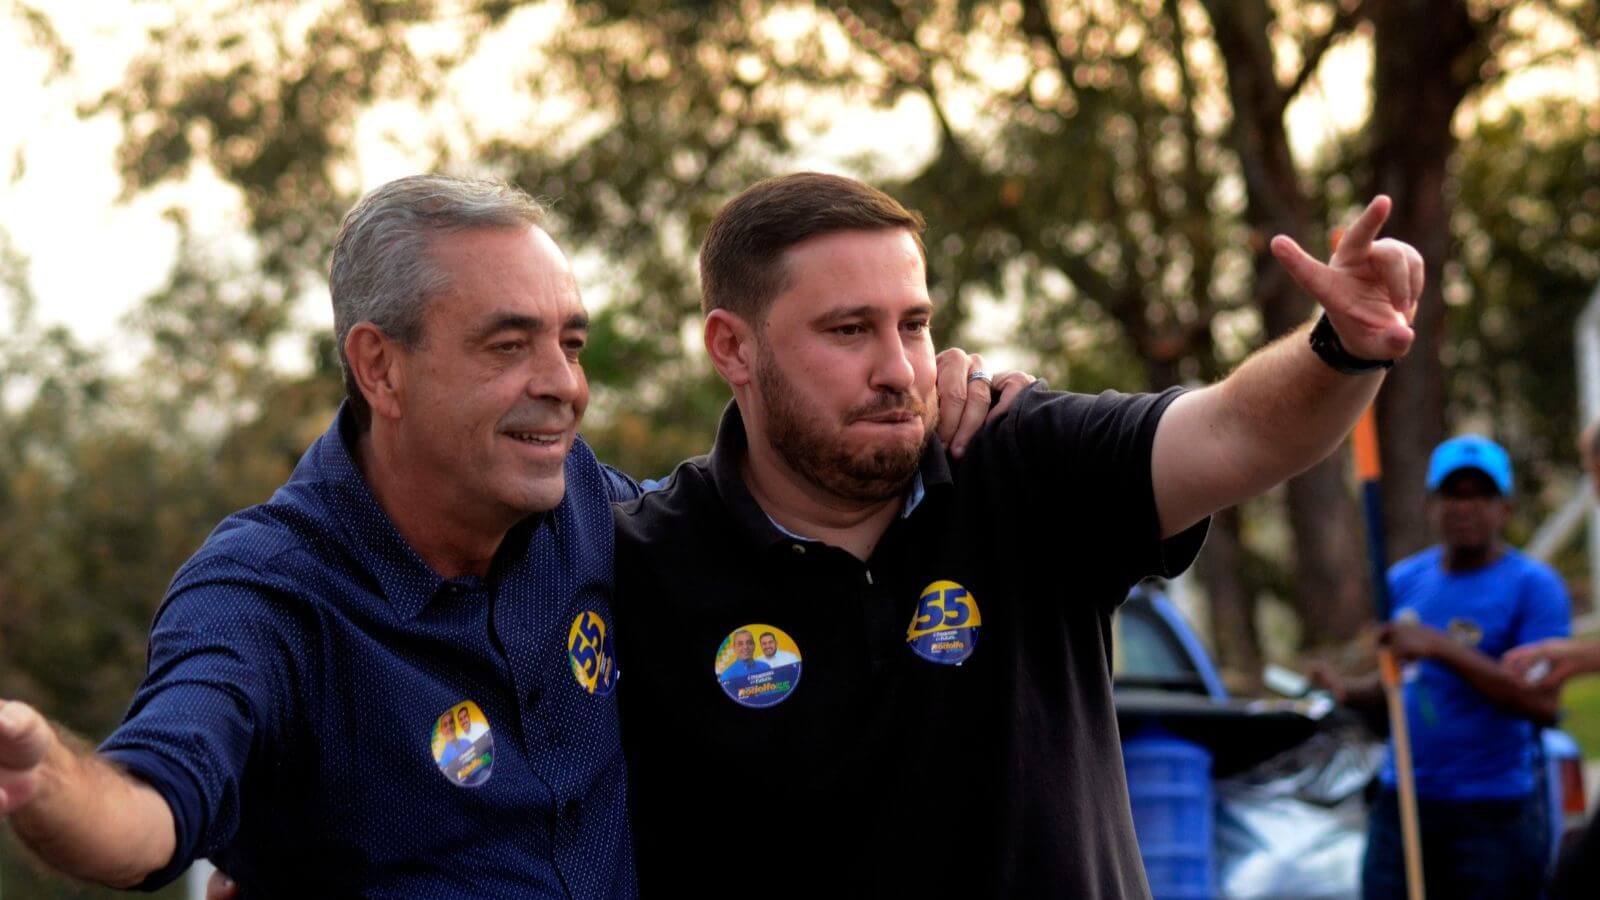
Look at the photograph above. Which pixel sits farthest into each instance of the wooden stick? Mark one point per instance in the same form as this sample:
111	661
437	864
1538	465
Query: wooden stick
1400	733
1369	469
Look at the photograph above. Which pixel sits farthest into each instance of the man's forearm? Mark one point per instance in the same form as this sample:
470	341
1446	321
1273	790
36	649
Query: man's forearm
94	821
1277	415
1288	409
1501	688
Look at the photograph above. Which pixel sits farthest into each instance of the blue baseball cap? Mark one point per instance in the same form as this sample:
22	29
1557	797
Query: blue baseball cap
1470	452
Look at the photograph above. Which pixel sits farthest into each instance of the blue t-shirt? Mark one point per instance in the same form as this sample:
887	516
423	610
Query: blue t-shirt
1464	747
300	665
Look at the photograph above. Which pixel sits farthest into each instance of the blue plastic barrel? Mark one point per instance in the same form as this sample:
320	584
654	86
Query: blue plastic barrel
1169	783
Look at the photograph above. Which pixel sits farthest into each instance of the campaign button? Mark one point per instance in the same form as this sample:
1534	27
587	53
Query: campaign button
463	747
945	627
757	665
589	650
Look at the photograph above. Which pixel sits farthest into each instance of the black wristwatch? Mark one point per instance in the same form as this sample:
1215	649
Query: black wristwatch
1326	344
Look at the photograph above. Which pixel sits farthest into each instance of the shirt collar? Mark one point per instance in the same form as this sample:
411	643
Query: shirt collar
407	582
731	447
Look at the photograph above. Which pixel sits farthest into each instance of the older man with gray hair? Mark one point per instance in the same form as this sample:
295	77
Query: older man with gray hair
445	545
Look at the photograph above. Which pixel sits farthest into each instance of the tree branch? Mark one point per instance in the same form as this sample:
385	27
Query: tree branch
1313	53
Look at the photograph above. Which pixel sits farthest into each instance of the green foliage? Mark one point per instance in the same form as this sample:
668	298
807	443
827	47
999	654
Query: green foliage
1580	700
1528	229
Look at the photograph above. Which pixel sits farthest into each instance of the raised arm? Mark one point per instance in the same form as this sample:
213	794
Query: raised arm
1286	408
78	812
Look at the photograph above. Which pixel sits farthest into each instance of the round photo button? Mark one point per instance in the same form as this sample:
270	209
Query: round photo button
758	665
944	628
462	745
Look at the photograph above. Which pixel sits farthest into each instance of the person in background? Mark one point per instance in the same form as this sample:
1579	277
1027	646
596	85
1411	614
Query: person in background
1549	664
1458	606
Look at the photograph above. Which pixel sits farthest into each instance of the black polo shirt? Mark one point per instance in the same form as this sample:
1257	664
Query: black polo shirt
876	765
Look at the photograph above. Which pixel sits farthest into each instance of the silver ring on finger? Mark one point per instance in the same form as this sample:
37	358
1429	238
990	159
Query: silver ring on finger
980	375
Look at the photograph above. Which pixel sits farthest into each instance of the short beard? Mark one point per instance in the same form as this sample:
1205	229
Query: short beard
821	457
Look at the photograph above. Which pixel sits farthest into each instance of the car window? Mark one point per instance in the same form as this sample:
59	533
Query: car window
1147	650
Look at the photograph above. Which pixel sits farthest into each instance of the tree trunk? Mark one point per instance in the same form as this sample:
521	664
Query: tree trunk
1233	605
1329	592
1428	55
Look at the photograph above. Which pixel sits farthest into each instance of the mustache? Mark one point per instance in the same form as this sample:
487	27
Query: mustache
549	418
889	402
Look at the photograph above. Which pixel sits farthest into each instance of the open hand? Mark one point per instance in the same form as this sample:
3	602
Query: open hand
1369	288
967	404
1549	663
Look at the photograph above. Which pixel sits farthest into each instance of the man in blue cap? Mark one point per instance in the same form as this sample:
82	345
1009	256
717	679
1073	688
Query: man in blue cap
1458	606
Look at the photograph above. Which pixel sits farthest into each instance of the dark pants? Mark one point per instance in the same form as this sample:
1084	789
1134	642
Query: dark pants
1489	849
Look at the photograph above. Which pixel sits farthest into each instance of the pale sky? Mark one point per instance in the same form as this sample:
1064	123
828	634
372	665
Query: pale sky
93	257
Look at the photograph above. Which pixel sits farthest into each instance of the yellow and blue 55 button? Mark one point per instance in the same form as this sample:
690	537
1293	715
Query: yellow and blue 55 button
944	628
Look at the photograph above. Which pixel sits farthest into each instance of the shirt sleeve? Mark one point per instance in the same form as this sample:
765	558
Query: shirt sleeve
216	687
1092	456
620	487
1544	611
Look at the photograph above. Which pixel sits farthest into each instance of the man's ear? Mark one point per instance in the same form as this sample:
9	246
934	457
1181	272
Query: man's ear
731	344
374	360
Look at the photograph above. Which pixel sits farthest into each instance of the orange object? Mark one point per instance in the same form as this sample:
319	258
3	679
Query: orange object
1388	669
1369	467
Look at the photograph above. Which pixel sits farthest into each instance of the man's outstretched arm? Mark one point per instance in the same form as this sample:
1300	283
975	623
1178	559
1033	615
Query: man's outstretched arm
78	812
1285	409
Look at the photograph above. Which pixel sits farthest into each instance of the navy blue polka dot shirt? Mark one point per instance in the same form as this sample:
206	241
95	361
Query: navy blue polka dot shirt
326	716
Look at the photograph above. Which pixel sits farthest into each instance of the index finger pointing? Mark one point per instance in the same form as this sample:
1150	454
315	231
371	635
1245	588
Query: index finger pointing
1361	234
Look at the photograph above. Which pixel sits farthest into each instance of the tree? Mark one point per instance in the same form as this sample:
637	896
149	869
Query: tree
1528	227
1117	165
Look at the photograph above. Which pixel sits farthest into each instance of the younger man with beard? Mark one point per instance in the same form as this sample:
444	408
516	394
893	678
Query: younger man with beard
948	728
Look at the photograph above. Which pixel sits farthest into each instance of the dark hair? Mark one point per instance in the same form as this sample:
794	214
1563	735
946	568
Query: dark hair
741	269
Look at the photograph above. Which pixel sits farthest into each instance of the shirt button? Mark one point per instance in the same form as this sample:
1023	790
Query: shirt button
799	549
533	698
572	810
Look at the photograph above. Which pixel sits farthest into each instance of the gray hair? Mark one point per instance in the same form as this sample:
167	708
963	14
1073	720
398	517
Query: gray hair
382	271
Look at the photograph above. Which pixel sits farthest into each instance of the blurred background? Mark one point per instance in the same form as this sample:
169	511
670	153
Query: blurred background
1100	177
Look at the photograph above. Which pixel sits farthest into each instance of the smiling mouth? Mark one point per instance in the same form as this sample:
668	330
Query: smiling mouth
535	438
